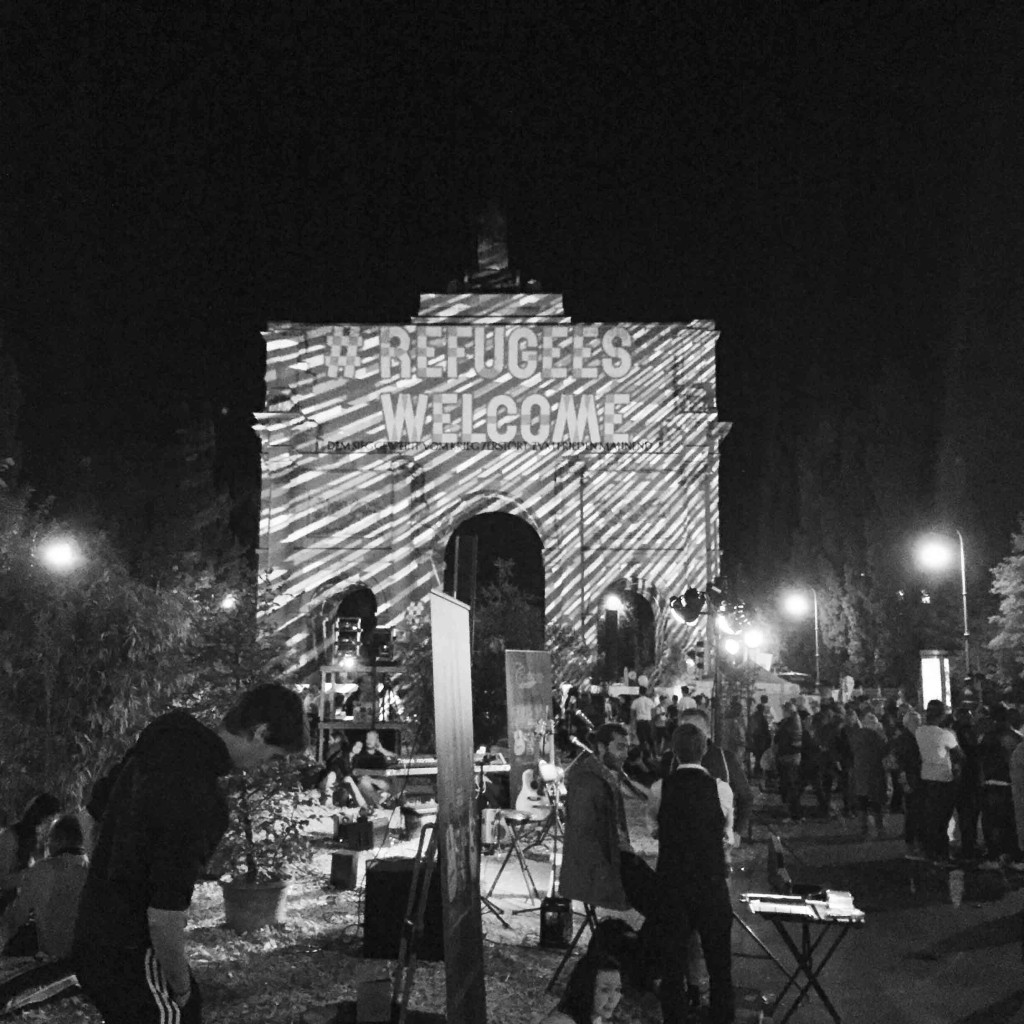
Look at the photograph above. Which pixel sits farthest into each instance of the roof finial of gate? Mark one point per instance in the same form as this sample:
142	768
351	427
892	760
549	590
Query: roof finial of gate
492	240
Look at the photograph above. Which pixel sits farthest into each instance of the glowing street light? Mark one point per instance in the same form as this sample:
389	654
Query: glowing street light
936	552
613	603
731	646
60	554
229	602
796	604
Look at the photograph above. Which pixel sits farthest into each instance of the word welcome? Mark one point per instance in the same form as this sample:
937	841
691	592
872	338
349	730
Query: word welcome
448	418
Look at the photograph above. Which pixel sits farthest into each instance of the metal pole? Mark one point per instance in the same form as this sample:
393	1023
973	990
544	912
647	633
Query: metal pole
963	598
817	649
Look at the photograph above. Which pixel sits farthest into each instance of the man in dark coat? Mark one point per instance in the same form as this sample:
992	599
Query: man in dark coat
692	876
599	865
759	734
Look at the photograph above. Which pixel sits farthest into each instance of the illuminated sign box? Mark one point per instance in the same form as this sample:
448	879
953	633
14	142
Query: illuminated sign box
935	677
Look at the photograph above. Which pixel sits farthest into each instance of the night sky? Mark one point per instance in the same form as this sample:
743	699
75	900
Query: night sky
837	185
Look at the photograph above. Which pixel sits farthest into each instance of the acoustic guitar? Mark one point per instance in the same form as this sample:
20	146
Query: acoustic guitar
536	797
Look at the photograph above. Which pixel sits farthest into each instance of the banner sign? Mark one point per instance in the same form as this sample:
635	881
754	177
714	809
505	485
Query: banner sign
528	689
458	852
486	385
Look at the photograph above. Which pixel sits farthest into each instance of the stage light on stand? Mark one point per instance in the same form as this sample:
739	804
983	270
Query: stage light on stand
689	606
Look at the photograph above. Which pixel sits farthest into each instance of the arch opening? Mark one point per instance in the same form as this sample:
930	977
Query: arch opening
494	563
626	629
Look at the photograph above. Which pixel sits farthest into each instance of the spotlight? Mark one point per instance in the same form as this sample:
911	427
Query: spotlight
688	607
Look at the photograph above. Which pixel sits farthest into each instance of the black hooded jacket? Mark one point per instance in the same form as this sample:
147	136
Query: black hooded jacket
164	816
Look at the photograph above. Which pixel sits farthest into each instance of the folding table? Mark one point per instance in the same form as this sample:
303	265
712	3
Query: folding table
804	926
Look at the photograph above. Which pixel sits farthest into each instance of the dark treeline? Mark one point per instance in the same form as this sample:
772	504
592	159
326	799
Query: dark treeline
833	183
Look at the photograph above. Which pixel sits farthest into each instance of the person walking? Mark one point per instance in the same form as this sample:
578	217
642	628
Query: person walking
869	747
759	735
997	815
939	752
967	800
642	711
788	747
164	815
908	759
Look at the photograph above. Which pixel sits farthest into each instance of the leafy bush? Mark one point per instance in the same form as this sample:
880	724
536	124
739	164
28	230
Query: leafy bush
268	833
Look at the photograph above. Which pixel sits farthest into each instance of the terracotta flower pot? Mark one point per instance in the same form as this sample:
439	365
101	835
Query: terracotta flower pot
248	907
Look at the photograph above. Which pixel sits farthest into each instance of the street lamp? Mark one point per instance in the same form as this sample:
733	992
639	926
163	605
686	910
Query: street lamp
796	604
60	554
935	552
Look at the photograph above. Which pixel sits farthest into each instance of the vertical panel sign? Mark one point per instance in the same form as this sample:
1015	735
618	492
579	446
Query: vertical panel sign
528	691
456	811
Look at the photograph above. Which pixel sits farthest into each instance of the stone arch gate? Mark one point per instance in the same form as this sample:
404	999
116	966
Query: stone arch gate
378	440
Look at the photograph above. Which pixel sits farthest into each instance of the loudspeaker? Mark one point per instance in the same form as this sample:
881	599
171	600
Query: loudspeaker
387	893
345	869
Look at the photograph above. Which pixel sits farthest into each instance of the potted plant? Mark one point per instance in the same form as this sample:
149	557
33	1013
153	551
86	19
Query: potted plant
267	840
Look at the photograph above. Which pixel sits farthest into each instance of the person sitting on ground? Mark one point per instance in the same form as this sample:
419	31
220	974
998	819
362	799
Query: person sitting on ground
45	912
20	844
592	993
335	781
372	756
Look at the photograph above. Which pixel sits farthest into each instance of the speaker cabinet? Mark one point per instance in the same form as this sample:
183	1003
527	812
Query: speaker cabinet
387	892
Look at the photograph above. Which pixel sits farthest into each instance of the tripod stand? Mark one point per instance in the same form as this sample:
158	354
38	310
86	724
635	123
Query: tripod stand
489	906
551	826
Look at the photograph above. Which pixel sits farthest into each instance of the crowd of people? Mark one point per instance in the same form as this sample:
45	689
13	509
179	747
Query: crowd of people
944	773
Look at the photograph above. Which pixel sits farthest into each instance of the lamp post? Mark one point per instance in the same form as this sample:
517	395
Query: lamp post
796	604
60	556
933	553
